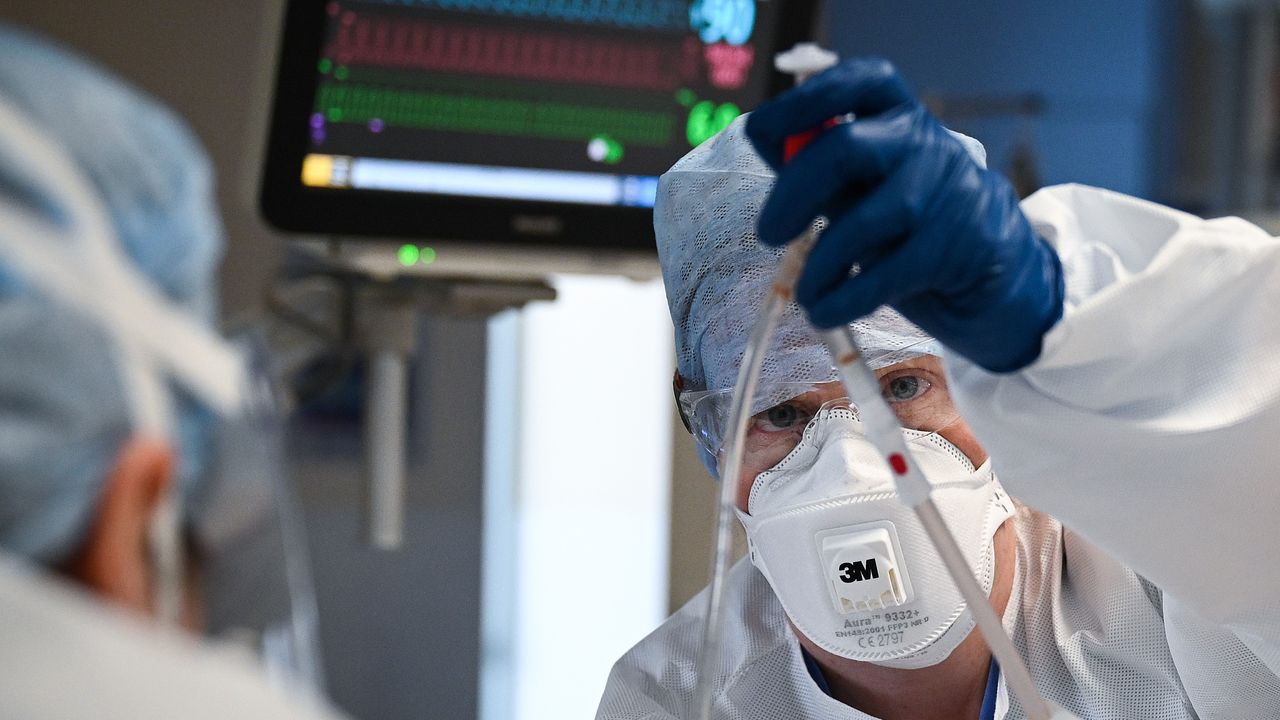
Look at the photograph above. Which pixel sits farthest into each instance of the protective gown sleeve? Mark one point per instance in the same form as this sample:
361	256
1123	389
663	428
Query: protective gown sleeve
1150	424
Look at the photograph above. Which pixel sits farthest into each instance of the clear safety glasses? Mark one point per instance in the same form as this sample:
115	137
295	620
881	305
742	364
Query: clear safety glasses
916	390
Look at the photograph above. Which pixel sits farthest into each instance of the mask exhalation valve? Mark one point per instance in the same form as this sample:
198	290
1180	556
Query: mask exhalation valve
863	564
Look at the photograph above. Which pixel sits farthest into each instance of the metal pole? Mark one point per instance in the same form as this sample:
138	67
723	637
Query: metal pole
389	339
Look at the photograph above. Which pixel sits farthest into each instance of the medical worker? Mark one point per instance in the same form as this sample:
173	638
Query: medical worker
1115	358
122	513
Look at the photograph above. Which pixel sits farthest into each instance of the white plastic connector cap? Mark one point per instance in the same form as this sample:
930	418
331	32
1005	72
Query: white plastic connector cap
804	61
864	569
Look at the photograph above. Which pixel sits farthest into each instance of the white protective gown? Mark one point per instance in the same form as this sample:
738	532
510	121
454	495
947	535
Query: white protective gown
64	655
1150	426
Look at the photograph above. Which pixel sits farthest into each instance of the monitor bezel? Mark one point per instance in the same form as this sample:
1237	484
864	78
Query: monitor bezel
292	207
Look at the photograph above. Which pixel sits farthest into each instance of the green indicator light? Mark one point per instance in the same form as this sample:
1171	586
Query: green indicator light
685	97
605	149
335	114
408	255
428	255
614	156
342	72
325	66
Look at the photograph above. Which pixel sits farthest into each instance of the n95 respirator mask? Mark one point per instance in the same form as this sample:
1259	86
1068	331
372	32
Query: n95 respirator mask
853	567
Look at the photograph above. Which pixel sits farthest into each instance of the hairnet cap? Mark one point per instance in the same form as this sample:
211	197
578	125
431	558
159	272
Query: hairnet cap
150	170
716	273
63	420
63	415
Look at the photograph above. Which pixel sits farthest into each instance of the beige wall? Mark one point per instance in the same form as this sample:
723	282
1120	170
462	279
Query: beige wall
693	512
210	62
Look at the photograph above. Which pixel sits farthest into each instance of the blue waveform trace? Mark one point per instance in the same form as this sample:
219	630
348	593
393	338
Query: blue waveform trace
642	14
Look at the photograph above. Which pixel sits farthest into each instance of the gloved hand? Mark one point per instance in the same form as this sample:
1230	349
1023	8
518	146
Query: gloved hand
934	235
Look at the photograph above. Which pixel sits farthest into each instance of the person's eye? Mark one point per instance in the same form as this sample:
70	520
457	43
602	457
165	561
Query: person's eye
905	388
786	416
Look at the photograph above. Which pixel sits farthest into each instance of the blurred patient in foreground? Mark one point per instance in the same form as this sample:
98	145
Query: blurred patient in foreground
118	520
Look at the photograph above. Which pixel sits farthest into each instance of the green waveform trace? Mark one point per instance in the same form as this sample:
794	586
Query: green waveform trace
464	83
359	104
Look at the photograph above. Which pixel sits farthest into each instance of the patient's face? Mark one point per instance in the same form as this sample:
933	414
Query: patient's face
916	389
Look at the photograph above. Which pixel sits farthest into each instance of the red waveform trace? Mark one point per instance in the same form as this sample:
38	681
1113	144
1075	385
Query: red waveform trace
526	56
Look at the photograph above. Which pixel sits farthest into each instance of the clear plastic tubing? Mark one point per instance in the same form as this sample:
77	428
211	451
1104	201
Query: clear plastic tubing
884	431
739	414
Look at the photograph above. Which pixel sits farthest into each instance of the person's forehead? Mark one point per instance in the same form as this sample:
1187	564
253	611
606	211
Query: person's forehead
922	362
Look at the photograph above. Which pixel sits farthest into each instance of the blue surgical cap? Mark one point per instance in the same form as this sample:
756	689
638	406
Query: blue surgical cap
63	416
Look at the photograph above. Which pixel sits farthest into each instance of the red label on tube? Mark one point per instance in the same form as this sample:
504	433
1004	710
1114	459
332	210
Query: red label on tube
898	463
795	143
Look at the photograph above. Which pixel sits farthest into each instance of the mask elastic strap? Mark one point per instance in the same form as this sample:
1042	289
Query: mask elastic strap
81	265
91	274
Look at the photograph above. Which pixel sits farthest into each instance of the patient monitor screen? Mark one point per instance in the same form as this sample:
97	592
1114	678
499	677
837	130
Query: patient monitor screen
578	101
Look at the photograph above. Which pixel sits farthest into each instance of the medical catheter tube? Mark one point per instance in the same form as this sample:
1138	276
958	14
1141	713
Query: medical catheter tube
739	414
884	431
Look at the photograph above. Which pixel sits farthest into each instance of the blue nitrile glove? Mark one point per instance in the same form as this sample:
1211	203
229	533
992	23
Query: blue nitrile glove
934	235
